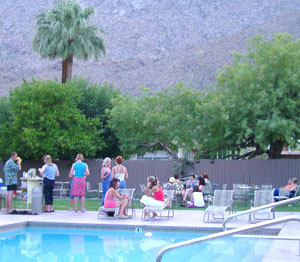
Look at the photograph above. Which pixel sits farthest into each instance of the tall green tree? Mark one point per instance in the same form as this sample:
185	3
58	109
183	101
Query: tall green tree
45	119
164	120
256	105
96	100
4	110
67	33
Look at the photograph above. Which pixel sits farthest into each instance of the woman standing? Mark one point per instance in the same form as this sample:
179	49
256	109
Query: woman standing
120	172
105	176
110	196
49	171
78	188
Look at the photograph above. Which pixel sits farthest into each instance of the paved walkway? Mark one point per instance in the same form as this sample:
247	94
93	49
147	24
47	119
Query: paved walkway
184	220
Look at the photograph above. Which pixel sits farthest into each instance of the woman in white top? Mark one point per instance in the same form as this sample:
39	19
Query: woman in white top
120	172
196	199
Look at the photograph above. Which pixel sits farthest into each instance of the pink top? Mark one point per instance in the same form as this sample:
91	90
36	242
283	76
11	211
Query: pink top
159	195
109	201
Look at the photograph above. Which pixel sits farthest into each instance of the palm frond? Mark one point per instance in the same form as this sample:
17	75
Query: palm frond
66	30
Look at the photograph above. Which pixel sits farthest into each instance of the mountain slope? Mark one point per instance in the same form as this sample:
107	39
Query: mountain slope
149	43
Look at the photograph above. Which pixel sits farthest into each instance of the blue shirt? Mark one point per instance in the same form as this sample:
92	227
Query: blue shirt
192	184
50	171
79	168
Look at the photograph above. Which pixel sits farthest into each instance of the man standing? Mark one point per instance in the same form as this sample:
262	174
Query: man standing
11	168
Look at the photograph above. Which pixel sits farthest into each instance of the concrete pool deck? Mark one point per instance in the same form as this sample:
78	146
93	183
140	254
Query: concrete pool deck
184	220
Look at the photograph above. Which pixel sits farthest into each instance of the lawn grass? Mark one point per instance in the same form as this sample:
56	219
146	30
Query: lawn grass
93	205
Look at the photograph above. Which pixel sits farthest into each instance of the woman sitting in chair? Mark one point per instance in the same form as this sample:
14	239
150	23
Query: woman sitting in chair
110	196
291	187
196	199
289	190
154	195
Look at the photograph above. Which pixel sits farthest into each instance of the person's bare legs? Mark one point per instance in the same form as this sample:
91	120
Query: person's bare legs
71	203
186	193
82	204
47	208
123	206
8	200
75	201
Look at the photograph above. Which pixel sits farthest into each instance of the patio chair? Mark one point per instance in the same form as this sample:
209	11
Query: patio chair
222	202
90	191
266	187
284	194
168	206
112	212
240	195
104	212
57	191
100	190
224	187
142	187
262	197
208	193
130	193
171	196
65	192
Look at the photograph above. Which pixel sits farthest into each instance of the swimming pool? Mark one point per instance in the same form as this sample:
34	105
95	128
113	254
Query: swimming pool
76	245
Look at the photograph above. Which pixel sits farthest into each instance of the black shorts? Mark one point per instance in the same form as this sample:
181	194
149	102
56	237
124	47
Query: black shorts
12	187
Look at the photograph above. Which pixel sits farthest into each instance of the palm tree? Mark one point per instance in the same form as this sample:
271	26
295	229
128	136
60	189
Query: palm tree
66	32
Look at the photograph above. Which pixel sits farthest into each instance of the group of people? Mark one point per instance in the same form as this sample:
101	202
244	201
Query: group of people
115	178
112	180
192	196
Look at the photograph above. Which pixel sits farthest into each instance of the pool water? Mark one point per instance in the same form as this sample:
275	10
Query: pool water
72	245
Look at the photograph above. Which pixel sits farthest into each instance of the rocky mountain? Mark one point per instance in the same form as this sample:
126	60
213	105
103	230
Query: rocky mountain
152	43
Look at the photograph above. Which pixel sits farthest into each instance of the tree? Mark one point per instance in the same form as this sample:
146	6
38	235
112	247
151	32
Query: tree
4	110
256	104
164	120
94	103
45	119
66	32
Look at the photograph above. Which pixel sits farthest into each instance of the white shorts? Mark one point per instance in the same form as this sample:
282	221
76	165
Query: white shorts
149	201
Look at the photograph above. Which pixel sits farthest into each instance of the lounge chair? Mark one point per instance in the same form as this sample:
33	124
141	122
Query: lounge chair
168	206
284	194
65	191
130	193
208	193
91	192
242	194
266	187
58	188
222	202
142	187
262	197
112	212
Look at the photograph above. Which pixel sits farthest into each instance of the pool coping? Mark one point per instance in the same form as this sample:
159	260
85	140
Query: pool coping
157	228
